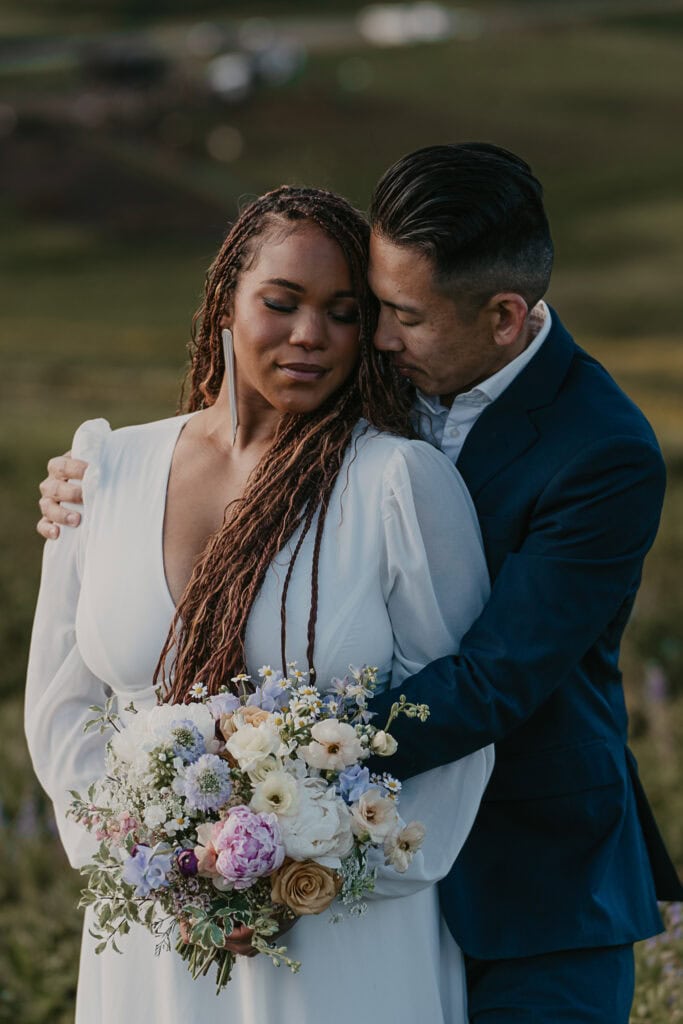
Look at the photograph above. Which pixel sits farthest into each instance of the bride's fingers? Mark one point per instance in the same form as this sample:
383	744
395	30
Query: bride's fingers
239	941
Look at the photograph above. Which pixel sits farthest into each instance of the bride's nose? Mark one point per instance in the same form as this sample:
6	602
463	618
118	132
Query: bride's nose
309	331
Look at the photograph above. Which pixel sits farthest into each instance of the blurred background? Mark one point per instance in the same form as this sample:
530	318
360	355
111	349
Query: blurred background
130	131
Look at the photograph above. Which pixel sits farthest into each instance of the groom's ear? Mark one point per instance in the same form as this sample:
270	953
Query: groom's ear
508	312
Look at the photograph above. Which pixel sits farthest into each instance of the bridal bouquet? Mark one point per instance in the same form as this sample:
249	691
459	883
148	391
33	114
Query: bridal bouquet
248	810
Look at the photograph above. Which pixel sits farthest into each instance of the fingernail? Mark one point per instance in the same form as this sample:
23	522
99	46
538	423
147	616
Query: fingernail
73	519
53	533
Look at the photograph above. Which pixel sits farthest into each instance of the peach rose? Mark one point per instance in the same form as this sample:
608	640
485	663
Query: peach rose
305	886
249	715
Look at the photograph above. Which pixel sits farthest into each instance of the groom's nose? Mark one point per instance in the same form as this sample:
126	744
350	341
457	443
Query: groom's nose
386	337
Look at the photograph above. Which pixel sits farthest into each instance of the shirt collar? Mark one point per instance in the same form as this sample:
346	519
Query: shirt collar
491	388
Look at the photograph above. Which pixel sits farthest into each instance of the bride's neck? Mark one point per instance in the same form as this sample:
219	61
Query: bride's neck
257	422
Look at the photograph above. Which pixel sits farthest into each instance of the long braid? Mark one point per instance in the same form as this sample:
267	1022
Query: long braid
295	478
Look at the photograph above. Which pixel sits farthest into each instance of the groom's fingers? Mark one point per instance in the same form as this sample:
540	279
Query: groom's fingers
55	513
47	529
63	467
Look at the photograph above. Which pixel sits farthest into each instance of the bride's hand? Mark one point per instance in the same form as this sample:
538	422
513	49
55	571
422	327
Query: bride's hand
239	939
56	488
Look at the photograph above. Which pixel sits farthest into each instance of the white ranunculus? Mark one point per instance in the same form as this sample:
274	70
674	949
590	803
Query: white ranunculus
251	745
264	768
384	744
277	794
151	728
374	815
320	830
334	746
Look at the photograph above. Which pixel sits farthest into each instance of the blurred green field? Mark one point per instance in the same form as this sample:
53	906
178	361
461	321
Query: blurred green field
98	286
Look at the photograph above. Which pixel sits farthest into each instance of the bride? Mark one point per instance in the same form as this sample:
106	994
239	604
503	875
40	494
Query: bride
283	516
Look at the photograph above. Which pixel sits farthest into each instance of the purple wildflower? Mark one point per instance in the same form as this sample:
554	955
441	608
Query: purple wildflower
187	862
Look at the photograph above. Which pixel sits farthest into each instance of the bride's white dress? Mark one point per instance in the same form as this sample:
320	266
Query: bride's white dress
402	576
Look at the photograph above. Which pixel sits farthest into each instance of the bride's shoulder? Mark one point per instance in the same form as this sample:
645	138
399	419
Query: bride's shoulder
95	438
392	454
105	449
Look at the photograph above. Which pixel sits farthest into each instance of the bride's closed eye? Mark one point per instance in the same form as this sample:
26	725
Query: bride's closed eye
341	316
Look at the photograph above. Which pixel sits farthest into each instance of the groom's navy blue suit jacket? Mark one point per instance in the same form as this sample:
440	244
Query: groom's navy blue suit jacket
568	481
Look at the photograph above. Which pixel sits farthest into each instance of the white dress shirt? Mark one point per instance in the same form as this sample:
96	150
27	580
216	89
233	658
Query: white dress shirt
447	428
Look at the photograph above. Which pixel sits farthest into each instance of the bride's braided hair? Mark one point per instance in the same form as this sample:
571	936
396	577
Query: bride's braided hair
293	482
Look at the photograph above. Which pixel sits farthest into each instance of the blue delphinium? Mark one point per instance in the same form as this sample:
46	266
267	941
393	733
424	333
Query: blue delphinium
222	704
188	742
206	784
147	867
353	782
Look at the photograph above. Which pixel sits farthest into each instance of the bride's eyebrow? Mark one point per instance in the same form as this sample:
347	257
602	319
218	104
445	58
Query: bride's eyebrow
282	282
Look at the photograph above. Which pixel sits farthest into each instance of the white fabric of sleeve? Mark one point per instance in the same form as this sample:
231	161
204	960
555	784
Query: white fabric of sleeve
60	687
436	584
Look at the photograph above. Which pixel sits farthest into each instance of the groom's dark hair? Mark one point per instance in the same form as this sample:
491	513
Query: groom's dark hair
476	211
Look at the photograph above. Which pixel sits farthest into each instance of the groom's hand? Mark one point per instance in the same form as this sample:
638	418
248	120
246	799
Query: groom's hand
58	486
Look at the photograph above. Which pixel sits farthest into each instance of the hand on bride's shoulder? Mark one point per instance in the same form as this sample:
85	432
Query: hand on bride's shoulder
59	486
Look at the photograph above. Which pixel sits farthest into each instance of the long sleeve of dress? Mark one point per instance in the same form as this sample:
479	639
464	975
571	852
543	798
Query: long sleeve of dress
60	687
436	583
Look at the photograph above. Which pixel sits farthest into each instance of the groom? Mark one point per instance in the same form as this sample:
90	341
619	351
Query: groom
564	863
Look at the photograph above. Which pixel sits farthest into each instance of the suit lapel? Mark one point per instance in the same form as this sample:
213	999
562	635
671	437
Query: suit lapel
505	430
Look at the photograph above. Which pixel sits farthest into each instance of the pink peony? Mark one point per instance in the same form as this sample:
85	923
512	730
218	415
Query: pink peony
248	846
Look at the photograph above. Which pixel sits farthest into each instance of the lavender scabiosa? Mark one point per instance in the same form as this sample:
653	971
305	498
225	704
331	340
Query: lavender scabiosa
187	741
206	784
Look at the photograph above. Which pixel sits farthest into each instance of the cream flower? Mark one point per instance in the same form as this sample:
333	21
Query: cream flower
263	769
320	830
334	747
401	845
383	743
374	815
277	794
250	745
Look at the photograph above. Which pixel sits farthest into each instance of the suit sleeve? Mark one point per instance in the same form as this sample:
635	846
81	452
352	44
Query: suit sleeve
575	573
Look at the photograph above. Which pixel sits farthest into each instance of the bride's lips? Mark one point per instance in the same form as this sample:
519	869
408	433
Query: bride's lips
303	371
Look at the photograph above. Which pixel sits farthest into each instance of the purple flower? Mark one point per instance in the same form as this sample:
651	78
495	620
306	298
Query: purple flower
188	742
222	704
353	782
249	846
206	784
187	862
146	868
